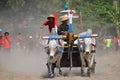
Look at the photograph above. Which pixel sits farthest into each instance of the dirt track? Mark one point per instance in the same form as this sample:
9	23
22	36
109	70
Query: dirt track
32	67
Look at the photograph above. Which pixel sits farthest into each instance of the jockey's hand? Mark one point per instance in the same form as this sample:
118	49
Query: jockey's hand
41	27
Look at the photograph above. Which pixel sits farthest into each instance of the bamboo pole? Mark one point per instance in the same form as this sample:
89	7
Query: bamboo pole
81	24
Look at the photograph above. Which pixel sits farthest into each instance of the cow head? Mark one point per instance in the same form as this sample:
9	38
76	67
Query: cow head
52	46
90	44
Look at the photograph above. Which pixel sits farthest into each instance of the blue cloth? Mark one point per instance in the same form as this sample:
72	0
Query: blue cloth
60	51
0	30
87	35
54	37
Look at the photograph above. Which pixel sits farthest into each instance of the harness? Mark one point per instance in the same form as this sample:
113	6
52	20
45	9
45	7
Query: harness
58	41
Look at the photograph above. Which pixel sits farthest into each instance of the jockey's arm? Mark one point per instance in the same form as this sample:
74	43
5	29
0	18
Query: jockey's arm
44	24
41	26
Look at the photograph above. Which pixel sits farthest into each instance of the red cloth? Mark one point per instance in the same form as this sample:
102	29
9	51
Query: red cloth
56	19
50	25
6	41
115	39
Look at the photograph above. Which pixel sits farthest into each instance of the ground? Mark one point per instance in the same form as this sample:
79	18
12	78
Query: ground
32	66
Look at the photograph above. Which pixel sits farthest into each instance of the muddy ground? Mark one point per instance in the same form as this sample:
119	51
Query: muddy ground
20	65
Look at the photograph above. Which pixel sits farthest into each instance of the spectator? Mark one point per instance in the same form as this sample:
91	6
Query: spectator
116	42
108	43
6	41
19	40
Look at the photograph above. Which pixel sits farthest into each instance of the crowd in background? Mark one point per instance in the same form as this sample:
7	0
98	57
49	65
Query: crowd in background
109	43
19	43
30	43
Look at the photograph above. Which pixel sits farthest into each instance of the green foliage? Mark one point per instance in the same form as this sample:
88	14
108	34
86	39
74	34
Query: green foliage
14	4
94	12
113	13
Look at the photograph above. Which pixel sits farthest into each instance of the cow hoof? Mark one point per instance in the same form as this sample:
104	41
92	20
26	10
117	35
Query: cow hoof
60	72
83	74
51	75
88	73
58	75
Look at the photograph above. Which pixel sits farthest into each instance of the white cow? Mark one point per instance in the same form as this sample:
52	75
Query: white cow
54	49
88	54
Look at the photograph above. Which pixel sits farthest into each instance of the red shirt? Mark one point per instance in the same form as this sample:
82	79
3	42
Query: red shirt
50	25
115	39
6	41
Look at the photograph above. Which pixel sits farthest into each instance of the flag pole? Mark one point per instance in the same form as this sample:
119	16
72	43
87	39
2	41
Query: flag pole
70	17
81	24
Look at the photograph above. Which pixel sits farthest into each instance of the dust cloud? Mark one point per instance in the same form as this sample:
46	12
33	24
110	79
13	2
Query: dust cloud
32	62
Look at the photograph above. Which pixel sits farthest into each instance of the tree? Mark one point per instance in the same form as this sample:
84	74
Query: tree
113	14
15	4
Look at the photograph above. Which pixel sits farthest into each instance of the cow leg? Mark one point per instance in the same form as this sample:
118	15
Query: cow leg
50	68
59	71
50	71
89	70
58	60
82	64
89	66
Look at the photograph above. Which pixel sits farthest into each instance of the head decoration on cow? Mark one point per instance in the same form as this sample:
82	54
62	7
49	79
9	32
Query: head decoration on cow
89	31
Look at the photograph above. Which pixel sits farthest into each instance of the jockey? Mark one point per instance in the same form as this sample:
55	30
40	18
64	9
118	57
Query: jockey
63	28
50	22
